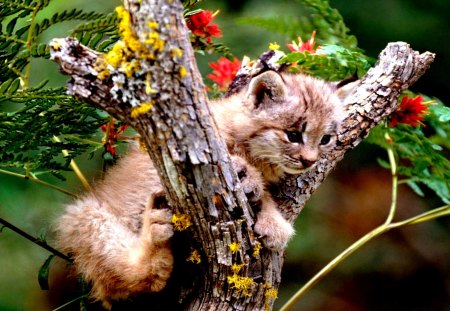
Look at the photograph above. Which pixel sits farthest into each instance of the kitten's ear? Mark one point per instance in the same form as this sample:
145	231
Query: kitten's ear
267	87
345	88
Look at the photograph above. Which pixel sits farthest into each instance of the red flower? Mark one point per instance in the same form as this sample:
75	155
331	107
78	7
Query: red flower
224	71
410	111
200	25
112	135
304	46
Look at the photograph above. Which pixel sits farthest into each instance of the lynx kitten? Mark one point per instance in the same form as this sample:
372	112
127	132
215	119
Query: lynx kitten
280	124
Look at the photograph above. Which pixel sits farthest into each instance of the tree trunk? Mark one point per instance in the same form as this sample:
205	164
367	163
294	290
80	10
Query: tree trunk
194	164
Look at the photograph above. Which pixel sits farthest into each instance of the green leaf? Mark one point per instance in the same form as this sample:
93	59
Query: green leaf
415	187
44	273
11	25
443	113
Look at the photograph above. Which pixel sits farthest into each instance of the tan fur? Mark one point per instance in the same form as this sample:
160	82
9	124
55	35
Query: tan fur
122	245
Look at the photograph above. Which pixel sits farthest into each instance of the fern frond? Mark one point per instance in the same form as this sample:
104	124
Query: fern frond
330	25
98	34
11	7
331	62
26	133
65	16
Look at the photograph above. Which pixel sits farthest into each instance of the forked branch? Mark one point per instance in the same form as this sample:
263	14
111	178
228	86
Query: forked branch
163	98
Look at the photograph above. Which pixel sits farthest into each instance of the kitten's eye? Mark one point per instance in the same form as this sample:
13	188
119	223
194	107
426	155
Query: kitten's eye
325	139
294	136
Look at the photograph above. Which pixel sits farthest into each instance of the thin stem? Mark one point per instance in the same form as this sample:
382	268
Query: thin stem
393	165
38	181
70	302
332	264
26	76
429	215
83	140
35	240
75	167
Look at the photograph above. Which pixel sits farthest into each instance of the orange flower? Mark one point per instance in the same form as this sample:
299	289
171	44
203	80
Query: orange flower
224	72
200	25
410	111
304	46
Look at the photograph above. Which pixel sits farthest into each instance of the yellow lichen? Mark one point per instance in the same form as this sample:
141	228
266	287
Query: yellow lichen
153	25
129	47
182	71
176	53
154	40
141	109
142	145
237	268
257	248
234	247
194	257
242	284
129	68
271	294
181	221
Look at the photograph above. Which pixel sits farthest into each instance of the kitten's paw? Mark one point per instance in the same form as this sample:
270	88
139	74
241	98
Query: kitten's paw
250	178
274	230
157	225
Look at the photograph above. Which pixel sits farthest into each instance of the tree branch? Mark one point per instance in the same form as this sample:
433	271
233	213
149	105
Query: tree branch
164	99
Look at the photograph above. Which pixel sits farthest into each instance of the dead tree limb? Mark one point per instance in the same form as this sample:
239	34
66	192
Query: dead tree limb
164	99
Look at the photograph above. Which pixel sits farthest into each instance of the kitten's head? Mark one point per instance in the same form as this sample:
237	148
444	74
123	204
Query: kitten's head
296	119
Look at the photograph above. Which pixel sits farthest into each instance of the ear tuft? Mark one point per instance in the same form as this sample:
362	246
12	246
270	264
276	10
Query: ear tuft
346	87
267	87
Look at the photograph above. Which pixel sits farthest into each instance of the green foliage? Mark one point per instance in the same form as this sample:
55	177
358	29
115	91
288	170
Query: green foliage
327	21
99	34
31	117
421	157
330	62
27	134
44	272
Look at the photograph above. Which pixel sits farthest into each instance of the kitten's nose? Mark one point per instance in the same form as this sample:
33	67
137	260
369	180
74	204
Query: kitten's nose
307	163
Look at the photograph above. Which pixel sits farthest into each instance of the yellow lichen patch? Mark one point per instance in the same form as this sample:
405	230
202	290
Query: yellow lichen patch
141	109
194	257
181	221
100	67
117	55
237	268
153	25
271	294
257	248
242	284
176	53
155	41
183	72
234	247
142	145
129	68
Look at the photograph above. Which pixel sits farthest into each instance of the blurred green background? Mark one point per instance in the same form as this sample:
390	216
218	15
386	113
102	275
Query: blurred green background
407	269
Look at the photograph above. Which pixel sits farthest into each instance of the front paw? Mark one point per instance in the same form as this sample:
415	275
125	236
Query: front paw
250	178
157	225
274	230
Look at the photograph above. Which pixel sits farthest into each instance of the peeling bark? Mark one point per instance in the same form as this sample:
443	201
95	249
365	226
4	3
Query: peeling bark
193	162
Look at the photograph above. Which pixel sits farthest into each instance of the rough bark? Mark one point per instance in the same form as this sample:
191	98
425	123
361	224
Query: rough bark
193	162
